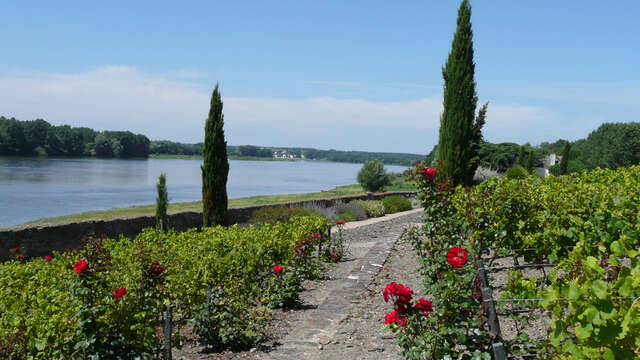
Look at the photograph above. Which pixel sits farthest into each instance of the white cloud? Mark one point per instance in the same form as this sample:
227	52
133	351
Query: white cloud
121	97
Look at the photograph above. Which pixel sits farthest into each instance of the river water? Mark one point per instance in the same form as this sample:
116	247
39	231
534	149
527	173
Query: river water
35	188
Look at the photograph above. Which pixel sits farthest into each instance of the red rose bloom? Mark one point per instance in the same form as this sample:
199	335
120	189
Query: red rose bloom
118	293
429	173
402	294
392	318
16	250
48	258
456	257
20	257
80	266
334	255
156	269
425	306
316	235
340	222
277	269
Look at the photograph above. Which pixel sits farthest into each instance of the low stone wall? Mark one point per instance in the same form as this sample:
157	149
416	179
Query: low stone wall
41	240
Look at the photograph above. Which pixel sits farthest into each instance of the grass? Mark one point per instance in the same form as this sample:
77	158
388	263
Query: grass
398	184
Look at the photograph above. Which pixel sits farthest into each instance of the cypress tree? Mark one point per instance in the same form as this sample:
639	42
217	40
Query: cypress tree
460	129
564	162
216	166
162	202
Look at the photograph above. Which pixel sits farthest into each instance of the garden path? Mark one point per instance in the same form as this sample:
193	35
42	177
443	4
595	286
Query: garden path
342	315
347	322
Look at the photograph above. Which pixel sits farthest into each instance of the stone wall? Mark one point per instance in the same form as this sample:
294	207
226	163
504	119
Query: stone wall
41	240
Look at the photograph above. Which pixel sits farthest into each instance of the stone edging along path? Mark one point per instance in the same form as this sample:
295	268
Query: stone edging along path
346	286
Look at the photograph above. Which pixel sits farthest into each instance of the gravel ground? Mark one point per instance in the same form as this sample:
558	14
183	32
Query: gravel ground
341	317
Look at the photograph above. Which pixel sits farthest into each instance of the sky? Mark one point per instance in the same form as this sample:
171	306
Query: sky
346	75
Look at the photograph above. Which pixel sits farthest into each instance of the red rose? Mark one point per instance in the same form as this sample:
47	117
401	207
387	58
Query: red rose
277	269
340	222
402	294
48	258
425	306
80	266
16	250
20	257
391	317
334	255
118	293
429	173
316	235
456	257
156	269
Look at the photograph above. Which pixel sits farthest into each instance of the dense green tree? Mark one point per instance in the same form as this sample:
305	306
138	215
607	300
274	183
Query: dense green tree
459	126
373	176
102	147
216	165
162	201
564	162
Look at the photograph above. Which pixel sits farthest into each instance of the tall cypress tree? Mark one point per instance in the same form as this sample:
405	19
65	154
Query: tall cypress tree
460	130
161	203
216	166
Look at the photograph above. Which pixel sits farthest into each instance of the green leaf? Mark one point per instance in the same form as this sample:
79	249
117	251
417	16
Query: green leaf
574	291
608	354
599	289
583	333
41	344
592	264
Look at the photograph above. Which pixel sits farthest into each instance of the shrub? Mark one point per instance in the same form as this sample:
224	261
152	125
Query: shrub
345	215
372	176
228	323
516	172
373	208
483	174
396	203
78	314
356	212
274	214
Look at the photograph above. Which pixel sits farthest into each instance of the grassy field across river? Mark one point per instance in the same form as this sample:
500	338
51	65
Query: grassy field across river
398	184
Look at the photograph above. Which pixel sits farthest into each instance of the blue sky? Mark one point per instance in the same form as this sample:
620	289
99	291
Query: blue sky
350	75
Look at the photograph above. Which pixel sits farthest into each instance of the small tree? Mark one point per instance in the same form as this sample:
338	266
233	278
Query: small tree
162	201
372	176
216	166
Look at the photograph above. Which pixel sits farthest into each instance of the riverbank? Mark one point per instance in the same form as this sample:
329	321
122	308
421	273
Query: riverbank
398	184
199	157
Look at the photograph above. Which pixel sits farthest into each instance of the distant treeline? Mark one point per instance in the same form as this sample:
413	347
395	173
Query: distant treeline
610	146
173	148
38	137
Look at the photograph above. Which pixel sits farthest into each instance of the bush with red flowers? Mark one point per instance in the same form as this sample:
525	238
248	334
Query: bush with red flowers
454	310
74	312
283	288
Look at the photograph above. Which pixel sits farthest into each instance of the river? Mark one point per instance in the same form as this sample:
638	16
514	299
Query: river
35	188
